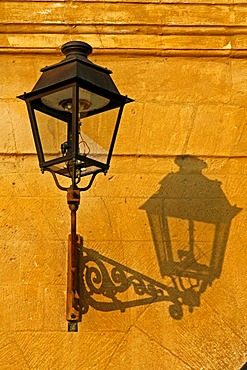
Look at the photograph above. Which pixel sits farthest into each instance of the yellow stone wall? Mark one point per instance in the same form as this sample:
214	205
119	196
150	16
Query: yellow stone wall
183	139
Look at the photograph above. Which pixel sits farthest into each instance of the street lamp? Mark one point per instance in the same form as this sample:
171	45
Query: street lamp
75	111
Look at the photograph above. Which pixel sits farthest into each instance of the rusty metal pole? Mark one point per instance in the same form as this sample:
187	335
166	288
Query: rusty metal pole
73	291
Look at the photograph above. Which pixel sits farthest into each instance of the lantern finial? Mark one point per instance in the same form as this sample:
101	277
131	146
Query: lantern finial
76	48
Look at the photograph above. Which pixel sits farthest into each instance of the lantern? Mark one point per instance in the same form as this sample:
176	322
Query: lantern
75	111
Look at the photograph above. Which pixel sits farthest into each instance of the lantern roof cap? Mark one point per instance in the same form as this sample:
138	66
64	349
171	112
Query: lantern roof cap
76	51
75	67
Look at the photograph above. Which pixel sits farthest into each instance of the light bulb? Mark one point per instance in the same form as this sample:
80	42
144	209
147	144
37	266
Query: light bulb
62	100
84	105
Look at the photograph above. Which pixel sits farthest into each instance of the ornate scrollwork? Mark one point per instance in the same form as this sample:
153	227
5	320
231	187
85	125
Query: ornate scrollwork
107	286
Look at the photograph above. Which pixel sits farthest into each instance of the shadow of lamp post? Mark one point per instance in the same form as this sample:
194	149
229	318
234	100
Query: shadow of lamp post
190	219
75	111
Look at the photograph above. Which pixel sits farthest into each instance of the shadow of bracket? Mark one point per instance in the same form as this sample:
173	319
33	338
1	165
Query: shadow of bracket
107	285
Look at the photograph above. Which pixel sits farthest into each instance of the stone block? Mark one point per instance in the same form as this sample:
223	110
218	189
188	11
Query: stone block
165	129
21	307
10	354
43	262
38	349
127	353
162	332
221	138
10	262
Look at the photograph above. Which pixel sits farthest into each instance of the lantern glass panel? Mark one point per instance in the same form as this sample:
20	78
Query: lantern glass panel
96	133
53	134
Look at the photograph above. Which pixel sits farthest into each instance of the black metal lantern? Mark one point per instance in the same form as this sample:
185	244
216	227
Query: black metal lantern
75	111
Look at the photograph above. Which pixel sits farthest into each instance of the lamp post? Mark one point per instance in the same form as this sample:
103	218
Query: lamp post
75	111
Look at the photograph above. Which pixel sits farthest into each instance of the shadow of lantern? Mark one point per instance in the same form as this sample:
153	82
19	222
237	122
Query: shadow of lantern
190	219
